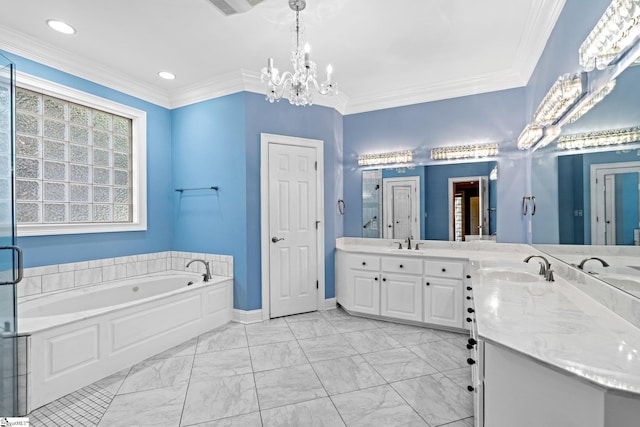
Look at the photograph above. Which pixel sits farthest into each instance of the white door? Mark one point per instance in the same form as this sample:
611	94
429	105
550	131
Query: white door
401	297
610	209
443	302
292	227
401	201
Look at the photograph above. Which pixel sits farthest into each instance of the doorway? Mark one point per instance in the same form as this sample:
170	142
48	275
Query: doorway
292	219
468	207
401	202
615	204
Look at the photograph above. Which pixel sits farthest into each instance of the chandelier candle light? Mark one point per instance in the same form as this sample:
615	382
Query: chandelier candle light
297	85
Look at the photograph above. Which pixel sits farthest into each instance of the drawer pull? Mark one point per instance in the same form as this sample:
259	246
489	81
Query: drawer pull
364	263
469	347
470	388
401	266
469	320
384	280
468	298
375	278
470	310
469	288
470	361
472	341
428	284
444	270
468	276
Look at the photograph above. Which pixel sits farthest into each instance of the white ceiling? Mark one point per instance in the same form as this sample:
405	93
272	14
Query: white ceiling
385	53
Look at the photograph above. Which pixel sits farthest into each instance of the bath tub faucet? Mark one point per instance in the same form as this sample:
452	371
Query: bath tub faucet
603	262
545	269
207	275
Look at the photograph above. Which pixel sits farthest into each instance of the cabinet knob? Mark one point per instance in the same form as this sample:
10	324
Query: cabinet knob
468	276
469	347
428	284
444	270
471	341
401	266
470	361
469	320
384	280
470	310
364	263
469	288
375	278
468	298
470	388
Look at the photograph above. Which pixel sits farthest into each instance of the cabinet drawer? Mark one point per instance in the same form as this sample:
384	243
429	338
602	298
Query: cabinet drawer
454	270
402	265
363	262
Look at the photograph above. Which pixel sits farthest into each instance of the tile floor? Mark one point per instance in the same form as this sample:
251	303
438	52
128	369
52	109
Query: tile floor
315	369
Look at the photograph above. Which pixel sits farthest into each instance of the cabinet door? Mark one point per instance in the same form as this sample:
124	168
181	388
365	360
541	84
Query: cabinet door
401	296
366	291
443	302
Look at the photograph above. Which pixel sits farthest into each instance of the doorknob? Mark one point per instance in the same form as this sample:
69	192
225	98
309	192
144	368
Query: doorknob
276	240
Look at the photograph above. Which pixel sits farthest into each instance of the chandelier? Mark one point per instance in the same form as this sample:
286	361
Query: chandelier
298	85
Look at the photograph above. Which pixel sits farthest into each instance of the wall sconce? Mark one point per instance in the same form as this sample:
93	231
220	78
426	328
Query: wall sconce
464	151
530	136
599	138
602	94
616	31
562	95
385	158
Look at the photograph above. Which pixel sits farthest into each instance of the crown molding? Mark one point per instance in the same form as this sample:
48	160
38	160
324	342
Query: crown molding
215	87
46	54
534	39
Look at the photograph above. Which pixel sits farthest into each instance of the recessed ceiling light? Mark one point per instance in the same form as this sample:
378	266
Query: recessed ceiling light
61	27
167	75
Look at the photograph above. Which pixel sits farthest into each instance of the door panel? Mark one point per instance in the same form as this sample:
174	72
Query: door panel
401	297
292	207
443	302
366	291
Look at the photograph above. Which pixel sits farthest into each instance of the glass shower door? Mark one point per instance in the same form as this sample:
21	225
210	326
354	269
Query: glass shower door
10	254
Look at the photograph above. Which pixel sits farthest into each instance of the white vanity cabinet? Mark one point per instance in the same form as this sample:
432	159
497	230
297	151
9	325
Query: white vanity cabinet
415	288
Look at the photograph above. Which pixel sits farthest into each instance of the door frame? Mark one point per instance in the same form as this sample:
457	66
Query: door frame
415	207
482	180
596	170
265	140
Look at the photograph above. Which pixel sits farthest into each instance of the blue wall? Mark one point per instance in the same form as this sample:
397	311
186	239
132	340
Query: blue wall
490	117
44	250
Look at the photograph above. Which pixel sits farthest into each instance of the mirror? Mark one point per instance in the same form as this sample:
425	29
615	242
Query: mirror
434	202
588	199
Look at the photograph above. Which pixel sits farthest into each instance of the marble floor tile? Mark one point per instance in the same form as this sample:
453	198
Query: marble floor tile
313	413
455	337
401	328
436	398
112	383
377	406
161	407
460	376
227	337
247	420
443	355
220	398
352	324
399	364
303	316
346	374
285	386
225	363
157	373
312	328
185	349
371	340
337	313
269	332
410	338
278	355
325	348
467	422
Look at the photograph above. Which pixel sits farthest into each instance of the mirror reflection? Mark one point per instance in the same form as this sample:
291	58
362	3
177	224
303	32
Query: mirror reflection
434	202
590	197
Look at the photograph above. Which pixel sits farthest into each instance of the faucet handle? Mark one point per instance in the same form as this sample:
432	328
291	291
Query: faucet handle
549	276
399	245
543	270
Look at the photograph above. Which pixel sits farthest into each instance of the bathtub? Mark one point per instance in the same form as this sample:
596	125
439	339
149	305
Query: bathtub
77	337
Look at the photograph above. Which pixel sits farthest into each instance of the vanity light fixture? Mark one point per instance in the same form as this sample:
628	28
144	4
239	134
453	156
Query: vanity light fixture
61	27
464	151
550	134
297	85
530	136
616	30
599	138
562	95
602	94
385	158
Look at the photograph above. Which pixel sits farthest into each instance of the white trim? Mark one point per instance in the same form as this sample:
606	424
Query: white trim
453	180
139	159
330	304
246	316
265	140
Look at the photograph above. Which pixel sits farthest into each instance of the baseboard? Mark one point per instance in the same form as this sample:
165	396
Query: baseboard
247	316
330	304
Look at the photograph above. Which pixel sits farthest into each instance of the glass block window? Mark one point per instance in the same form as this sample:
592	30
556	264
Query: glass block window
73	162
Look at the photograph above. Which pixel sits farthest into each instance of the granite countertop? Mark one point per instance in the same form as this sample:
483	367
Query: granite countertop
553	323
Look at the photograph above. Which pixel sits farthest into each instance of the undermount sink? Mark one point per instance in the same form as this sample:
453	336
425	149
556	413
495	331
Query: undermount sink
624	282
510	275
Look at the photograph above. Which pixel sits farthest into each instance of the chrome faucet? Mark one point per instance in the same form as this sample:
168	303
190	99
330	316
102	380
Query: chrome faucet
603	262
207	275
545	269
408	242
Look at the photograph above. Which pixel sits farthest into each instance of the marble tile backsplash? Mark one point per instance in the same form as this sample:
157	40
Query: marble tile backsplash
58	277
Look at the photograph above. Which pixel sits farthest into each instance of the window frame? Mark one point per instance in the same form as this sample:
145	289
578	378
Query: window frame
138	159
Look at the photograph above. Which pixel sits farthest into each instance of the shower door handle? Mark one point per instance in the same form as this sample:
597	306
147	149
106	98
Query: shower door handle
18	251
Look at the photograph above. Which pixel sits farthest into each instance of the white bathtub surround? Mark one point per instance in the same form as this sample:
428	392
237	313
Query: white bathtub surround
54	278
82	335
